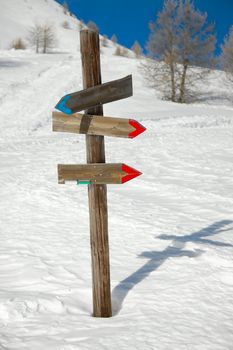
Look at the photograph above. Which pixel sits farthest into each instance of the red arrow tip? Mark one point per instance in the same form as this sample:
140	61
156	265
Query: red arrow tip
131	173
139	128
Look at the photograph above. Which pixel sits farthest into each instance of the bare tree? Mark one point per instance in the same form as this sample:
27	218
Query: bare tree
35	36
162	47
65	8
91	25
81	25
136	48
48	37
180	39
227	54
196	43
114	39
104	41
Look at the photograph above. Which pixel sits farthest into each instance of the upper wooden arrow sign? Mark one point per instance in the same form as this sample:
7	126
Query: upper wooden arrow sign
97	95
96	125
98	173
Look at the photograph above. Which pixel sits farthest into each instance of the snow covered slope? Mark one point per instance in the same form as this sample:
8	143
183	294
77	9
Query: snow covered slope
17	16
171	230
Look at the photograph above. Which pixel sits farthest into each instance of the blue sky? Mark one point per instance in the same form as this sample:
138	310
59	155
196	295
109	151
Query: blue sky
129	19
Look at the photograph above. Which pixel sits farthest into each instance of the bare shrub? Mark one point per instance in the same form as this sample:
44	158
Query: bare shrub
104	41
136	48
66	25
114	39
121	51
18	44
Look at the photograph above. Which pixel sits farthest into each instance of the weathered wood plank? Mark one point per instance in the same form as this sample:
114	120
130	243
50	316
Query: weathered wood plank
97	95
96	173
96	125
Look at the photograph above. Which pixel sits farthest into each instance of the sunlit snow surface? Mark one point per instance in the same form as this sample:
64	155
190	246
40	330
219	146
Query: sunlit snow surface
170	230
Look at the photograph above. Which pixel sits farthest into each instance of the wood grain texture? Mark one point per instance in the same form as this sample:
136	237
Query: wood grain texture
97	194
95	173
91	125
112	91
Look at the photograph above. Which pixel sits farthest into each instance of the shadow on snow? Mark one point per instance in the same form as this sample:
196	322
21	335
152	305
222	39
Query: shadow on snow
11	63
174	250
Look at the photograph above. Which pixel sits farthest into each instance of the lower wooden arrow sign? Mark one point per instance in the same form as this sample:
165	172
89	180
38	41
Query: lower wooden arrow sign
99	173
96	125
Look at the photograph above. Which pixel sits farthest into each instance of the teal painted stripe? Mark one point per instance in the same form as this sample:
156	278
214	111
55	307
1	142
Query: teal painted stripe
83	182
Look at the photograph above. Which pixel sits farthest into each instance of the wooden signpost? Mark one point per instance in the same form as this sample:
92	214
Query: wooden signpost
97	174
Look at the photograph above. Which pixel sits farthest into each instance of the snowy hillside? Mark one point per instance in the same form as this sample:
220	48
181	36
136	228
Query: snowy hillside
18	16
170	230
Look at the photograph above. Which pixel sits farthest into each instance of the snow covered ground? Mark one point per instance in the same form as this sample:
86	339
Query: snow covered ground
170	230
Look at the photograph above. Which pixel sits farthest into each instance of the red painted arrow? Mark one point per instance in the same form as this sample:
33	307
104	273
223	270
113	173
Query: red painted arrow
139	128
131	173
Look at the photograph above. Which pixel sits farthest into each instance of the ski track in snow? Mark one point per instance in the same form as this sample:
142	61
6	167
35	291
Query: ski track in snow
170	230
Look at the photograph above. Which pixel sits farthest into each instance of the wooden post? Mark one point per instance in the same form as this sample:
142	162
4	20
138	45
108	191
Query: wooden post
97	194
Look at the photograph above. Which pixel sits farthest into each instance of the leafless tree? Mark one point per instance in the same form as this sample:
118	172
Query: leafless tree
180	39
227	55
196	44
136	48
91	25
114	39
104	41
35	36
162	47
81	25
121	51
65	8
47	38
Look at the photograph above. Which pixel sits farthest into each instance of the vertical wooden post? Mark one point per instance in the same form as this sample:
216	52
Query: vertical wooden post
97	194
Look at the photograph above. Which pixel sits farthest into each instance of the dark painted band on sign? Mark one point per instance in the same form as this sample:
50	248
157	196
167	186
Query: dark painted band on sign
85	124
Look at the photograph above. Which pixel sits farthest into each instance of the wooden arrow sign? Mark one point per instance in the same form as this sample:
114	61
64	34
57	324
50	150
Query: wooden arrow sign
95	96
96	125
98	173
